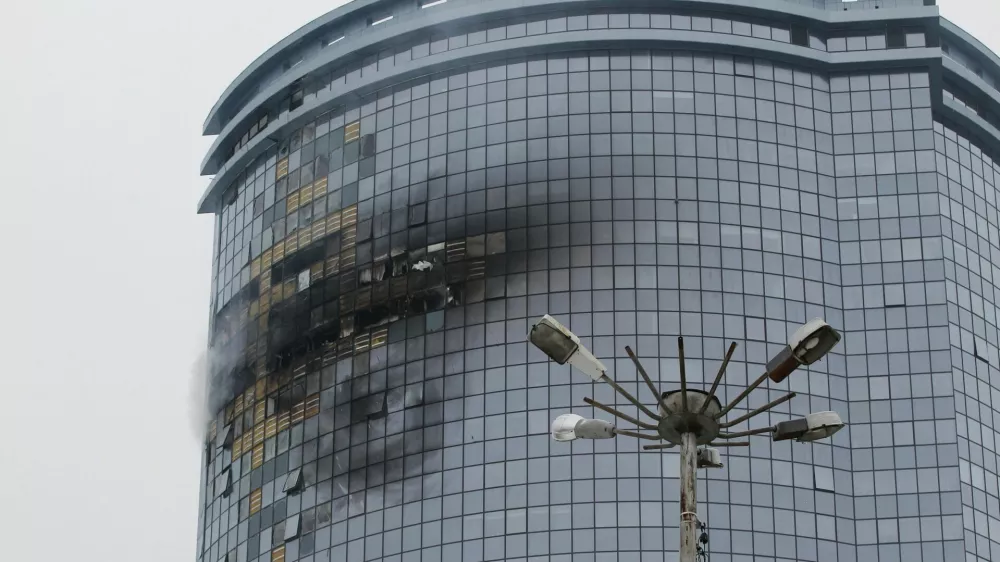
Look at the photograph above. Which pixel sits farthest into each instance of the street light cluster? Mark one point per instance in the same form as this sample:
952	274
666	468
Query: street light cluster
690	410
690	417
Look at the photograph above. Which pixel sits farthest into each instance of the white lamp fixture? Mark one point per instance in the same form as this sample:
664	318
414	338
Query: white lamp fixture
569	427
709	457
563	346
815	426
808	344
822	425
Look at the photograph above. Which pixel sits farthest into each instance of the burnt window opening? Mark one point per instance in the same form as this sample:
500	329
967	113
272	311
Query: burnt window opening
297	97
317	318
399	263
896	38
346	326
456	295
366	276
428	301
371	317
378	271
369	408
368	145
800	35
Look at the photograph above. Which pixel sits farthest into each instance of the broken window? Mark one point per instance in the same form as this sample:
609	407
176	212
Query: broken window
346	326
368	146
376	405
399	263
800	36
297	97
225	437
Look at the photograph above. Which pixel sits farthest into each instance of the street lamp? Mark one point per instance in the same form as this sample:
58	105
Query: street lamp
690	417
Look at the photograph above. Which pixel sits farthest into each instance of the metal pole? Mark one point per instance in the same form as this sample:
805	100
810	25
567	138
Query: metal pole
689	498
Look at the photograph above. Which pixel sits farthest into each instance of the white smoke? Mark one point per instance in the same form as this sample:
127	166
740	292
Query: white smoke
212	385
198	410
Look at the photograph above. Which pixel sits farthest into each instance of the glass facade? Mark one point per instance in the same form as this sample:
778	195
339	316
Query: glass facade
378	268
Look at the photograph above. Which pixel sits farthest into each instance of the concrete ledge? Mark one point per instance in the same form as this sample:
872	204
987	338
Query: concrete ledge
540	44
457	11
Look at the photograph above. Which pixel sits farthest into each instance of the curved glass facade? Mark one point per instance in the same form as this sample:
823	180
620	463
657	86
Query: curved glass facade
378	267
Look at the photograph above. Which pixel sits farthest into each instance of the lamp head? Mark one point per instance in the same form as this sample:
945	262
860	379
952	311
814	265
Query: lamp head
709	458
815	426
812	341
570	427
563	346
554	339
808	344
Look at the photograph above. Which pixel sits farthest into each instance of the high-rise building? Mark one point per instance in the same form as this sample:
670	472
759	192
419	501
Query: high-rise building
401	187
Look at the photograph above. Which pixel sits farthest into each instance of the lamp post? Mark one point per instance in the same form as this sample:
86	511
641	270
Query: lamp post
690	418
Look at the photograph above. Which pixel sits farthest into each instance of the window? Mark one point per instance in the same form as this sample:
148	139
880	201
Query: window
255	500
294	481
373	21
257	456
298	97
225	483
894	296
278	554
368	146
980	350
225	438
293	527
915	38
824	478
352	131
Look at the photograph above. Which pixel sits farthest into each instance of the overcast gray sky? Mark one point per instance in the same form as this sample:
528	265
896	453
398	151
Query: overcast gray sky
106	282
